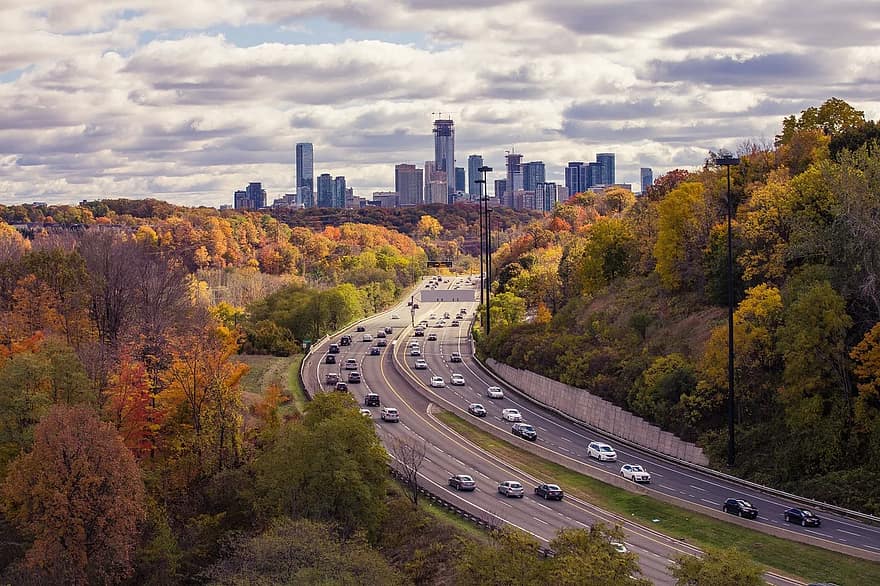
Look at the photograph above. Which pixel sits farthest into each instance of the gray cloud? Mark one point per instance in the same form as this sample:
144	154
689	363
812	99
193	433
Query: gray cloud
773	69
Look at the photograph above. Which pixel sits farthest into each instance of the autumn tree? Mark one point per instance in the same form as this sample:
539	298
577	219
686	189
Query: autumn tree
131	406
510	558
587	556
717	568
78	494
684	224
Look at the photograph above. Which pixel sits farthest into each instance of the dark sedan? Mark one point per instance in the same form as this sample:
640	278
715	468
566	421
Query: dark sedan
740	507
525	431
802	517
549	492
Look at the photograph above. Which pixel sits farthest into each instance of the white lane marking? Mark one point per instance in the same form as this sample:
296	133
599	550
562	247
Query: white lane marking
543	505
697	488
541	521
565	439
708	501
849	532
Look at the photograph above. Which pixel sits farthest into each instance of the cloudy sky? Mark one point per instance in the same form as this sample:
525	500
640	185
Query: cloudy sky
188	100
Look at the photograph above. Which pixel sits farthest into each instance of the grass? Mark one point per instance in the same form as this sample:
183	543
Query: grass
266	370
788	557
294	386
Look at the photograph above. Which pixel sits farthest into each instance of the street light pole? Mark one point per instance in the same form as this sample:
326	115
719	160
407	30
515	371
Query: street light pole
481	189
488	282
488	262
731	444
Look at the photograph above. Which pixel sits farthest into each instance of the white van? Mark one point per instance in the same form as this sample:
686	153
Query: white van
389	414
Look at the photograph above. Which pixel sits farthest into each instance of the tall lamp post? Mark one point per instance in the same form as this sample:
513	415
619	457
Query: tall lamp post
731	445
481	190
487	279
488	262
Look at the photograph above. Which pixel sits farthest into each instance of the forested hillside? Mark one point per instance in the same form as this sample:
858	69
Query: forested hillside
627	298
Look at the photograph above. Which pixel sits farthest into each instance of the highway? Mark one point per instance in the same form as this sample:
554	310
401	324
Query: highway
401	386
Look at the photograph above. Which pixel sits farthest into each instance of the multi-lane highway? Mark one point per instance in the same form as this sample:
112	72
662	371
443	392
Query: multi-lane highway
392	375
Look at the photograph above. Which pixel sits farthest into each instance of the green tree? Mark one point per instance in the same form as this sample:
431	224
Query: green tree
683	231
717	567
587	556
511	558
507	310
657	393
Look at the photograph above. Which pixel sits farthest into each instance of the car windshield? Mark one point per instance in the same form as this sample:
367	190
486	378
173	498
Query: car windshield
637	469
515	485
604	449
527	428
465	478
552	487
746	504
806	513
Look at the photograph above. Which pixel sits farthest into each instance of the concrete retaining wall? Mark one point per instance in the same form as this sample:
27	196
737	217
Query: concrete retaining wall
598	413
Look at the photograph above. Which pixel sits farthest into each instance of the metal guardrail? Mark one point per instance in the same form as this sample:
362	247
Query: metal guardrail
819	505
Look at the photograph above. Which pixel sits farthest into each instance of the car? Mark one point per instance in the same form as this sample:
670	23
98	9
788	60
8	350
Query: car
351	364
437	382
446	315
477	410
602	452
345	340
462	482
331	378
415	351
511	488
495	393
354	377
440	324
455	323
432	337
367	338
457	380
740	507
329	359
423	323
462	311
388	329
381	334
371	400
549	492
455	357
525	431
635	473
619	547
333	349
389	414
420	364
433	316
420	332
341	387
395	316
803	517
366	413
361	329
415	305
382	343
511	415
414	344
375	351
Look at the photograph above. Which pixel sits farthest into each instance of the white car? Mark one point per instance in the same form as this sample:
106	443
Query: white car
495	393
511	488
395	316
421	365
619	547
602	452
367	338
389	414
414	351
511	415
366	413
437	382
635	473
457	380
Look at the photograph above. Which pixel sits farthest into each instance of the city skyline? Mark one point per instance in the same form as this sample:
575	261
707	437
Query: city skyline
142	99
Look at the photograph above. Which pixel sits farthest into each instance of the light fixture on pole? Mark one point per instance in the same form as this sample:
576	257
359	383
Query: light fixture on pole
728	161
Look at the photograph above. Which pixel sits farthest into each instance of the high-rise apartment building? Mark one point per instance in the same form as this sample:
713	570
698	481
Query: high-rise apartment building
594	175
408	183
305	174
430	168
546	196
325	191
575	177
607	162
438	190
339	192
252	198
500	189
533	173
459	179
474	164
646	174
444	150
514	178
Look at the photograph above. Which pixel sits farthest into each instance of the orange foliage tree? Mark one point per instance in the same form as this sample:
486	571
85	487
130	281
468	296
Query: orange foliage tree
131	406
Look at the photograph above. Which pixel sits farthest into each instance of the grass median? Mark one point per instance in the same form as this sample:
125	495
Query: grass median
789	557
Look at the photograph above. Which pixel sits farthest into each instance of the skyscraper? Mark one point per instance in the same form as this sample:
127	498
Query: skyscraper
607	162
305	174
459	179
339	192
574	177
408	184
594	175
546	196
500	189
325	191
514	178
533	173
252	198
444	150
646	174
474	164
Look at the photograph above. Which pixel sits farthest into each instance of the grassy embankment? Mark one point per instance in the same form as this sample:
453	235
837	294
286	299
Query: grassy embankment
788	557
268	370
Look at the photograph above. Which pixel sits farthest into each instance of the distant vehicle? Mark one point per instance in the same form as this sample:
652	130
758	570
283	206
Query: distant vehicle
455	357
477	410
415	305
511	415
366	413
462	482
329	359
351	364
802	517
367	338
432	337
433	316
619	547
462	311
415	351
341	386
381	343
420	364
375	351
388	329
455	323
395	316
331	378
333	349
354	377
511	488
437	382
602	452
420	331
345	340
525	431
440	324
495	393
381	334
457	380
635	473
740	507
361	329
549	492
389	414
371	400
446	315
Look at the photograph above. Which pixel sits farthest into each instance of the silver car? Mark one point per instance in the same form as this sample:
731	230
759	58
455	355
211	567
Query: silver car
511	488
